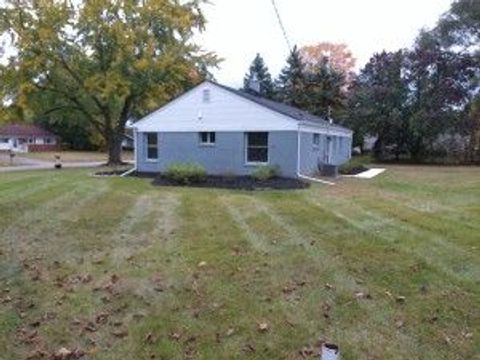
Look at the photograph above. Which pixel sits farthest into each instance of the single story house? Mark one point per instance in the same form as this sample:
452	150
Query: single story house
27	138
231	132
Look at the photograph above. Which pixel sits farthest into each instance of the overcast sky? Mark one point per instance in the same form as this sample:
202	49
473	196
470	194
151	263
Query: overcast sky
238	29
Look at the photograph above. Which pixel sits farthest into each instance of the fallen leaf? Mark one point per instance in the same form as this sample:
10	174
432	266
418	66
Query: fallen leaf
90	327
62	354
175	336
101	318
202	264
399	324
36	354
120	333
400	299
329	286
263	327
230	331
307	351
149	339
250	348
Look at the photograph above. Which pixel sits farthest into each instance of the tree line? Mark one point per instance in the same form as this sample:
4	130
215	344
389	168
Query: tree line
420	104
85	68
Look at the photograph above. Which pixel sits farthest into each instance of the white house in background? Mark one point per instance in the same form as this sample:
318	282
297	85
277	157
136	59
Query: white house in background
27	138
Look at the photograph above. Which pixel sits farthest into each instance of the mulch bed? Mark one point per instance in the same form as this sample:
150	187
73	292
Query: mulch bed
354	170
239	183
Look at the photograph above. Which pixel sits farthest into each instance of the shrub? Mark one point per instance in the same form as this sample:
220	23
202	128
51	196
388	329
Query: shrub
186	173
266	172
355	165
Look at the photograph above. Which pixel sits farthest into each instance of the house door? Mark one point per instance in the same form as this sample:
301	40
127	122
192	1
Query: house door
328	151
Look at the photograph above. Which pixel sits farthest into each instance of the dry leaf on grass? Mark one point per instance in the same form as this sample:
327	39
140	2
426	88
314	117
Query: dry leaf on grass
263	327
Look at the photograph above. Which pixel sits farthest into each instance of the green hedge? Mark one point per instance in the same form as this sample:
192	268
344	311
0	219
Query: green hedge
186	173
266	172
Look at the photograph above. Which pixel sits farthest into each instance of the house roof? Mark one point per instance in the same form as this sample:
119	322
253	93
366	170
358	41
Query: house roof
239	111
23	130
284	109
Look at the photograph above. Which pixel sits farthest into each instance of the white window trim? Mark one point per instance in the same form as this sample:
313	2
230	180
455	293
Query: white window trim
209	142
256	163
147	147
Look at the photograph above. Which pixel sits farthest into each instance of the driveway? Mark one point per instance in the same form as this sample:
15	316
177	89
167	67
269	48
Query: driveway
23	164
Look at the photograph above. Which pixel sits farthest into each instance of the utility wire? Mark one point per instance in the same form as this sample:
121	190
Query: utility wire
281	25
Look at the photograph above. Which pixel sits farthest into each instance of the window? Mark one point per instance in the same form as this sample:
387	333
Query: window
207	138
257	147
206	95
30	140
4	140
316	139
152	146
48	140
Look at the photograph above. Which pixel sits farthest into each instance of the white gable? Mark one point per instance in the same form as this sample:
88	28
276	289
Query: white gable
209	107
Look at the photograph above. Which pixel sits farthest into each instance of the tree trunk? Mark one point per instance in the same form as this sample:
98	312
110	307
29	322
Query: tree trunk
114	146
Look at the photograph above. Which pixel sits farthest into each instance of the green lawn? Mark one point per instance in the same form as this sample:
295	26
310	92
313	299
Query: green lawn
387	268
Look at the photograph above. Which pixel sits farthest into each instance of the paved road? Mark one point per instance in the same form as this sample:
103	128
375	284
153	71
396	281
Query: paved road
47	166
26	164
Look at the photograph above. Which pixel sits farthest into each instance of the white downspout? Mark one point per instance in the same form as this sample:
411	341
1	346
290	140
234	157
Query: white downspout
298	164
128	172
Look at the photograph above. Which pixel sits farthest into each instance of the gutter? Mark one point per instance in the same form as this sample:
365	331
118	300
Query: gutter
128	172
305	177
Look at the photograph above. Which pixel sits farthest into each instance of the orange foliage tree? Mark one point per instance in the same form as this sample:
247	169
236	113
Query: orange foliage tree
339	57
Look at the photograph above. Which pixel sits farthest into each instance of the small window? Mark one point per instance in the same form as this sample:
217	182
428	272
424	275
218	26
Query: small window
48	140
30	140
316	139
207	138
206	95
257	147
152	146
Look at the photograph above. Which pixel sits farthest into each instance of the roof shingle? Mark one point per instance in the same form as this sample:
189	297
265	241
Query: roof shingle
23	130
284	109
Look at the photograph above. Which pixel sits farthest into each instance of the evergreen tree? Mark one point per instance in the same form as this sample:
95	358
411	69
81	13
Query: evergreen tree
325	89
258	71
378	102
292	83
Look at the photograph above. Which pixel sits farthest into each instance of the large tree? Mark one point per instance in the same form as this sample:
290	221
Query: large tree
378	101
325	89
258	72
340	58
105	61
441	84
291	83
460	26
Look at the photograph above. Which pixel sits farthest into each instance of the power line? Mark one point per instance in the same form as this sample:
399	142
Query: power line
281	25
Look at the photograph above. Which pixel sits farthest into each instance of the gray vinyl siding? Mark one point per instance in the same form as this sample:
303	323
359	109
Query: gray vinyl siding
312	155
227	156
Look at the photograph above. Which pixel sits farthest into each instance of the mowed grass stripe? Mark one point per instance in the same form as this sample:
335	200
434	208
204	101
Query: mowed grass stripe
433	247
348	316
297	257
384	268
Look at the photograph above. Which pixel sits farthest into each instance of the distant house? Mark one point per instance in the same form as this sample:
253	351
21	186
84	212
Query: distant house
232	132
27	138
